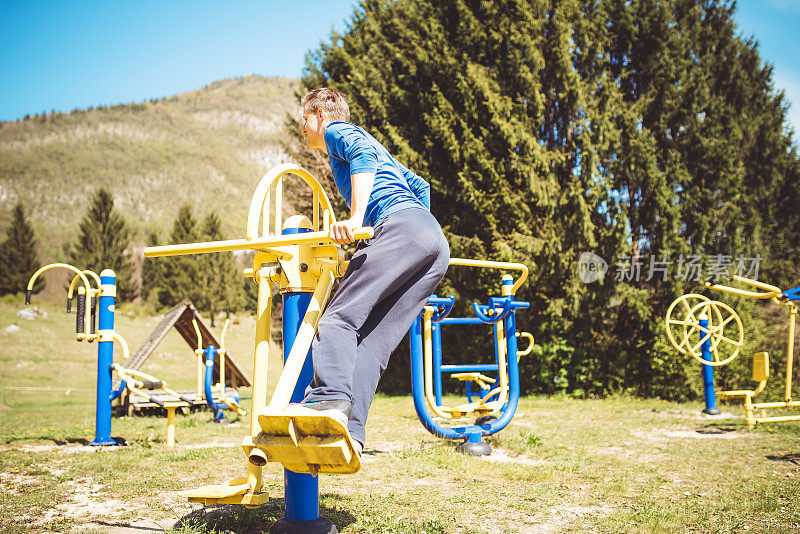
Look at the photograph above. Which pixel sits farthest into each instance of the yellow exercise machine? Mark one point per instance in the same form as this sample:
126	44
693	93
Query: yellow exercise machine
498	399
300	258
696	326
102	299
215	395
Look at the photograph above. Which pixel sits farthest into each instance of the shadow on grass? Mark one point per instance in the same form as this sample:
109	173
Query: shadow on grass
792	458
129	527
711	430
236	518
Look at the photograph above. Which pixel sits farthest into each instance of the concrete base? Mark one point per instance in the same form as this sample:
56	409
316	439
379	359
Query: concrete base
475	449
711	411
319	525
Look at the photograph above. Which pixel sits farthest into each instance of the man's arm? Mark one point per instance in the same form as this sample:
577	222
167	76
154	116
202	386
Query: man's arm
360	189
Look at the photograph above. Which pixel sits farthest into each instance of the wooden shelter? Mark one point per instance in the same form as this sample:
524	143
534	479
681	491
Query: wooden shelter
180	318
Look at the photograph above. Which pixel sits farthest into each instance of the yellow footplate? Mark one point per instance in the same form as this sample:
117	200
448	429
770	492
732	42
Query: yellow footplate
306	443
234	492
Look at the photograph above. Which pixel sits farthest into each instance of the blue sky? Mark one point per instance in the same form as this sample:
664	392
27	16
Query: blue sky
69	54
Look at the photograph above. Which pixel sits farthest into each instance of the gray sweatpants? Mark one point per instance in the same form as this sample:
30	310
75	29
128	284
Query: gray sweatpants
385	286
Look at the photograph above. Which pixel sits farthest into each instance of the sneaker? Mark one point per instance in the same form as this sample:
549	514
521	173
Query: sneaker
359	447
336	409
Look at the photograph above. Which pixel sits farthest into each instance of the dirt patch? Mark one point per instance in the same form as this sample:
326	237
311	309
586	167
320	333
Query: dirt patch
658	434
84	500
503	457
564	516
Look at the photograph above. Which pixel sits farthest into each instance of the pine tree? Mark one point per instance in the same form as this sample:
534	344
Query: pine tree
18	256
151	269
179	276
629	128
219	278
103	242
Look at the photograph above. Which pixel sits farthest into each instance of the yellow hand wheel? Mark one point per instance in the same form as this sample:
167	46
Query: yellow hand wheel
723	348
677	316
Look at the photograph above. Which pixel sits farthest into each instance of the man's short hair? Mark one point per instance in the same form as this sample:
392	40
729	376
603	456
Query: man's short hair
331	100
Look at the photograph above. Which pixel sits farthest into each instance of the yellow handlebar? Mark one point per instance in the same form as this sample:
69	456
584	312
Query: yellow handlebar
496	265
199	335
768	292
529	348
224	331
260	243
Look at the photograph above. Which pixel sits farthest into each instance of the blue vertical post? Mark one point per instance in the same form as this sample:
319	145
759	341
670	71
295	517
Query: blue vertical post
708	372
105	357
436	339
300	490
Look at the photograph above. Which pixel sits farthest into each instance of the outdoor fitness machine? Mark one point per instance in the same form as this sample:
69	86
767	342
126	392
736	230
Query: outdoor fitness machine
685	311
300	258
702	335
101	299
205	375
495	403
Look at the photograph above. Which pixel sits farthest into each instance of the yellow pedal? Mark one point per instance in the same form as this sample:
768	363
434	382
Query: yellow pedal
234	492
306	443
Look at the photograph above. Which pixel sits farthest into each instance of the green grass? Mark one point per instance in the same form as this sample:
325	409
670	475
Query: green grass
616	465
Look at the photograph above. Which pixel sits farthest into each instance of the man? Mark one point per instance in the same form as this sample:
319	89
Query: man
390	276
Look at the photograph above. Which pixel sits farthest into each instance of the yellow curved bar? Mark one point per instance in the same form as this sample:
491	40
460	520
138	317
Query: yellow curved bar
496	265
261	243
200	363
78	272
75	279
222	354
769	291
132	376
529	348
199	336
261	198
124	344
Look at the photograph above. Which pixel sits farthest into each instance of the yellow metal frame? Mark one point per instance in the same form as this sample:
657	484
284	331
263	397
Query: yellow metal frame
719	315
296	262
134	382
483	407
763	291
85	289
201	370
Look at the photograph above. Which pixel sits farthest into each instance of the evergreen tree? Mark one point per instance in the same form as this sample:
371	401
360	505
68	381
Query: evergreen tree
103	242
218	274
151	269
634	129
179	276
18	256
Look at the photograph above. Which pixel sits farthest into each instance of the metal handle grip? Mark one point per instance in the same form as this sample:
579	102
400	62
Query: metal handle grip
80	317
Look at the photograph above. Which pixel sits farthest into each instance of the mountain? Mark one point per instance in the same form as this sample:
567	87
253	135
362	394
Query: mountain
207	148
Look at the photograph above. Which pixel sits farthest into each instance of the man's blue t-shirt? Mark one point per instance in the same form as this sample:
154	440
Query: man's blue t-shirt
352	150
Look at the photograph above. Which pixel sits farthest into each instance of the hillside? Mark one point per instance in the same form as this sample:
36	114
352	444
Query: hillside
207	147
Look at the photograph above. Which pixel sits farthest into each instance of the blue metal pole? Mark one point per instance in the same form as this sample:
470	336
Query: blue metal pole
301	490
708	374
105	357
436	339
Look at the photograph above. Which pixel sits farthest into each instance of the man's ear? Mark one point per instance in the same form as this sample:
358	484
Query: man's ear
321	115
